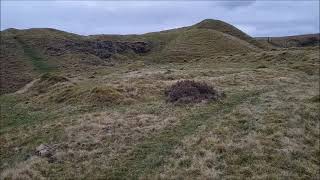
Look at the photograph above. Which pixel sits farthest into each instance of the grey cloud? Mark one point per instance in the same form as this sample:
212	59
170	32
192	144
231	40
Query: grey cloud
257	18
236	4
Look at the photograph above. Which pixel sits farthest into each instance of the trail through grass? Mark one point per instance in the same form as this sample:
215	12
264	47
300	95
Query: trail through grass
38	61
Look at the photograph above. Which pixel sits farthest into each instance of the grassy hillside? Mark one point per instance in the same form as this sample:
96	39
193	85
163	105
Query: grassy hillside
307	40
118	125
43	50
16	66
207	38
197	43
111	119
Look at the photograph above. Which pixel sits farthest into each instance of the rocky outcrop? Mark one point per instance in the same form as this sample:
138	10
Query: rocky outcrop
102	49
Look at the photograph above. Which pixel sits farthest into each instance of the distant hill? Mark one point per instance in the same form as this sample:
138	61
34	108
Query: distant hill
25	54
204	39
305	40
227	29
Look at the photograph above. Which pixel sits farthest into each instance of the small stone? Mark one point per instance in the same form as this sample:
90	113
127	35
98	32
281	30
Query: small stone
44	151
107	129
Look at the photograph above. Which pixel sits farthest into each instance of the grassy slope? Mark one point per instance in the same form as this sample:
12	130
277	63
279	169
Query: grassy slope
208	38
198	43
39	63
227	29
16	69
22	57
114	123
267	127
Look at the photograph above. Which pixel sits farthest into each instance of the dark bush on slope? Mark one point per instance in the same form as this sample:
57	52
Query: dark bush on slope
188	91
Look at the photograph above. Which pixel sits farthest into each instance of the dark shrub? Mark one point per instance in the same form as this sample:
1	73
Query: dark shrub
188	91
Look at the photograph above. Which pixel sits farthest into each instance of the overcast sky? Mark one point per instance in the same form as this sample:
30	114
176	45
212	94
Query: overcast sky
257	18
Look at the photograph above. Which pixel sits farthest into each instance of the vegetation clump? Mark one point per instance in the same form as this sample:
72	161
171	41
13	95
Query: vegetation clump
188	91
47	80
105	95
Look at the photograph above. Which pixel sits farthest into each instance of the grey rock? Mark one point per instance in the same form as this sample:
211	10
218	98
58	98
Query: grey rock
44	150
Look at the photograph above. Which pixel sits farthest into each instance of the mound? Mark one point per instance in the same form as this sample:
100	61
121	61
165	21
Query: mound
187	91
105	95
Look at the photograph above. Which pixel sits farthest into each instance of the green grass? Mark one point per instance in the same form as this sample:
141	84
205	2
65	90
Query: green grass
38	61
14	115
19	117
